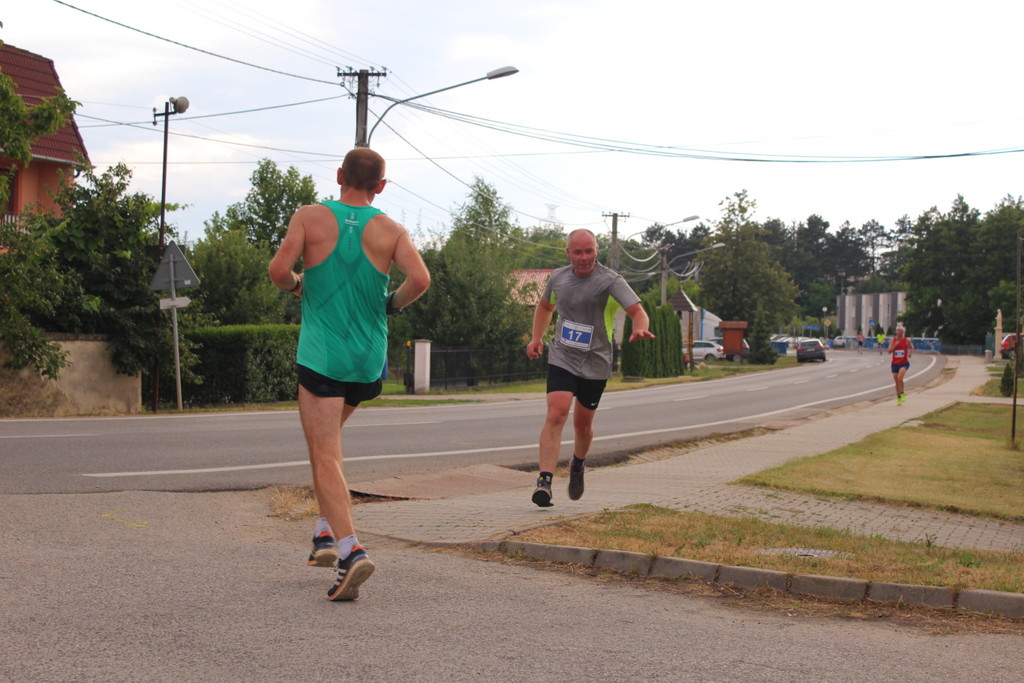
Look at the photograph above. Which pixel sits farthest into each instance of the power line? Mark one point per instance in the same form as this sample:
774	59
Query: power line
190	47
673	151
211	116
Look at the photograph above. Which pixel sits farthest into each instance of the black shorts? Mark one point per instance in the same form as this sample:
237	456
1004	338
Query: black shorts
354	393
587	391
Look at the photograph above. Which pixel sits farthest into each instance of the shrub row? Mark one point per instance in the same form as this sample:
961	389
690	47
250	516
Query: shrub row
241	364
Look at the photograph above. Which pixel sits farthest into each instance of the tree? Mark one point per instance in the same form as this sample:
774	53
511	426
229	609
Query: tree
103	240
27	262
759	338
939	270
235	288
470	302
744	275
264	213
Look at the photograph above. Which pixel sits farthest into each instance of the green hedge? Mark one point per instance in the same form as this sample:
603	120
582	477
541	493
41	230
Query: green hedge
658	357
242	364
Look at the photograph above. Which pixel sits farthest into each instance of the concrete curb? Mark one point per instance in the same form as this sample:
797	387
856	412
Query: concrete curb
999	603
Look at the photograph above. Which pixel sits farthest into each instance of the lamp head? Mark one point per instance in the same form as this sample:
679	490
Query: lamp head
502	72
180	104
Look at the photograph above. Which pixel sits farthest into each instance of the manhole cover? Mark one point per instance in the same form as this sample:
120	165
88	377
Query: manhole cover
804	552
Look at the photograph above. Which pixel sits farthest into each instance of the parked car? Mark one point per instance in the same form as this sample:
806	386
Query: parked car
708	350
741	356
810	349
1007	346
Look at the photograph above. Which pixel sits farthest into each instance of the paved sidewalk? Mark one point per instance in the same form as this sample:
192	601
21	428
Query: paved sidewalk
697	481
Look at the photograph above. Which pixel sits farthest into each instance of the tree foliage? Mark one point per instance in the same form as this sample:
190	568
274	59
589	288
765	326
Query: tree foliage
21	124
759	338
658	357
470	302
745	275
268	206
32	286
103	242
235	288
960	268
30	279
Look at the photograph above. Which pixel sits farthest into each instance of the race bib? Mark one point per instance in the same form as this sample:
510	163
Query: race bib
899	353
577	335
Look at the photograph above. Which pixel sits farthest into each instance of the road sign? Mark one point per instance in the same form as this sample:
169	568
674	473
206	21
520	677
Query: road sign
173	262
176	302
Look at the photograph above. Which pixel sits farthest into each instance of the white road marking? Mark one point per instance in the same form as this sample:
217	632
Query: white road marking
469	451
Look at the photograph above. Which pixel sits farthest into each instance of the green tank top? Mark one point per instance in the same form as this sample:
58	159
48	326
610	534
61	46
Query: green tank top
344	332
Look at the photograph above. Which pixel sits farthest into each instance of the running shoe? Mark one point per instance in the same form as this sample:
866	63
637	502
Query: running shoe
542	494
352	572
325	551
903	399
576	483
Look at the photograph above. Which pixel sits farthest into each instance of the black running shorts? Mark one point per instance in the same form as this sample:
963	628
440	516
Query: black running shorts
587	391
354	393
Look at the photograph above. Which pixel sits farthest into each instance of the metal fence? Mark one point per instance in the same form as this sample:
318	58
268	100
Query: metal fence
456	368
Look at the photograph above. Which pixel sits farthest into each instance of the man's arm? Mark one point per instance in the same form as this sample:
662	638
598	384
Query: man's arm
541	320
641	322
411	265
281	265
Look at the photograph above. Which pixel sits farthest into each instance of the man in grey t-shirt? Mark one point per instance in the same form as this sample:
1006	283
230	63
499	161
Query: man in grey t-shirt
586	294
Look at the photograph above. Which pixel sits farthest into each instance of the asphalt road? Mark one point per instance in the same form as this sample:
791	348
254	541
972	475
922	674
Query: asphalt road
229	451
155	586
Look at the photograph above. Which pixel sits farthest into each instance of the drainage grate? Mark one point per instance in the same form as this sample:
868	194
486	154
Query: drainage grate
804	552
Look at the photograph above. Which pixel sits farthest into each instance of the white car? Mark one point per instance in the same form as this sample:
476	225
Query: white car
707	350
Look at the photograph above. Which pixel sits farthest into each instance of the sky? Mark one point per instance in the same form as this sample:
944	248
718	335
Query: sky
659	110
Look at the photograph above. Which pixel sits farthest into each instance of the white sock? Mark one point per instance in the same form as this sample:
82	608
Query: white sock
322	526
345	546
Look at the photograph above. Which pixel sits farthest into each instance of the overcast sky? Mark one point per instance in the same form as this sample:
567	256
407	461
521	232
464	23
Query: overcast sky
687	93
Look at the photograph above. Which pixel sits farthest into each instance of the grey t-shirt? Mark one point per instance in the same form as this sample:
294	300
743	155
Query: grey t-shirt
586	307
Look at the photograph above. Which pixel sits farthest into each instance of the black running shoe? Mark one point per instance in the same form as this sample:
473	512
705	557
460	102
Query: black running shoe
352	572
324	552
576	483
542	494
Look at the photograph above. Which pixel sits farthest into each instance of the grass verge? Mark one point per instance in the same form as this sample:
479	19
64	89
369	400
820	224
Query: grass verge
956	459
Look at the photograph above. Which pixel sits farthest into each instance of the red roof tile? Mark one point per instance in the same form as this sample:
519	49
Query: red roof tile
529	284
35	78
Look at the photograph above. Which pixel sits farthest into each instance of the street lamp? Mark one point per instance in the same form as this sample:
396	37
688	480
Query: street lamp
824	312
363	138
175	105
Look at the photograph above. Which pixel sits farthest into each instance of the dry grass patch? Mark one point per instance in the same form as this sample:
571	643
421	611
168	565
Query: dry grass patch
293	503
742	541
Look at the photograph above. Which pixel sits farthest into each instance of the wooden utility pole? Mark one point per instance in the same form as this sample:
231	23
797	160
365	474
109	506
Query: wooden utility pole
613	259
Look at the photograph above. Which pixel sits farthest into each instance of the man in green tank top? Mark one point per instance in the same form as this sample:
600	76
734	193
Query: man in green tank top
347	249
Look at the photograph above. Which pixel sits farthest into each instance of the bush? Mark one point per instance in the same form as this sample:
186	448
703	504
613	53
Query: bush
243	364
1006	381
658	357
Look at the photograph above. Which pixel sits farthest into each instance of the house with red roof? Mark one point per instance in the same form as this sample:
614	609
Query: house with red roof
55	157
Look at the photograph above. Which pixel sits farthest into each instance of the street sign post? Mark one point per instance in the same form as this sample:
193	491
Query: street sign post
174	273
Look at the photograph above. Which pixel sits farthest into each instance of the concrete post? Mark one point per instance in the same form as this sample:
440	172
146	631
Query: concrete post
421	366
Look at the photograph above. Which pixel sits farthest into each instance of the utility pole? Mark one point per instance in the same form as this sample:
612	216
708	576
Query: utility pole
362	98
663	251
614	257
